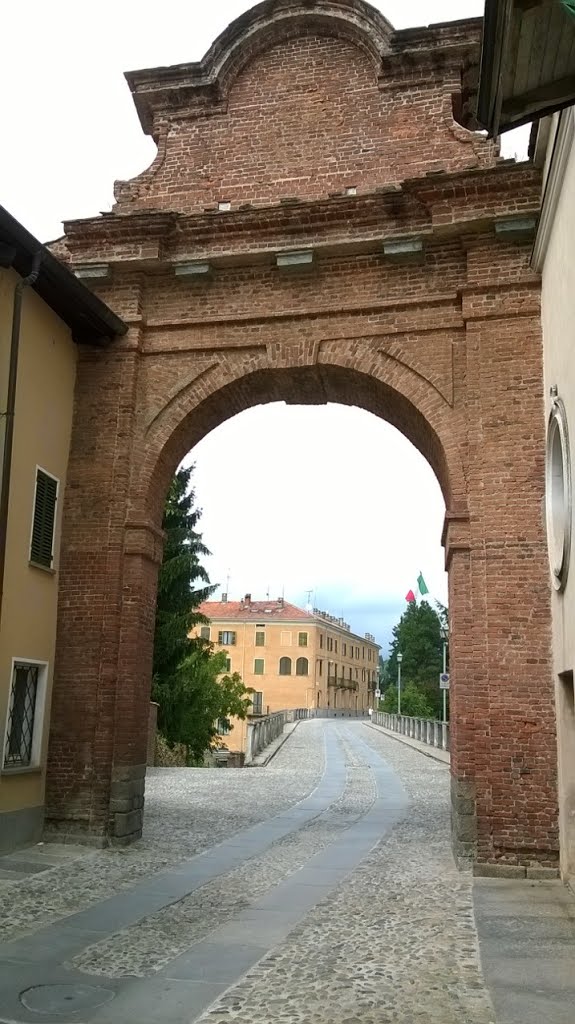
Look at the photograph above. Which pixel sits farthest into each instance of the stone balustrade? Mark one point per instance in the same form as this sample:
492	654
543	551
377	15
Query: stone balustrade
263	731
426	730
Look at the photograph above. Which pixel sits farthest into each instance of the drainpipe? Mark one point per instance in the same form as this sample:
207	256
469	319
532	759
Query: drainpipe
25	282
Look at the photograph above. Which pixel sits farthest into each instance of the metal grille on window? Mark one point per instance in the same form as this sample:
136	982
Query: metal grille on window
41	547
258	701
21	716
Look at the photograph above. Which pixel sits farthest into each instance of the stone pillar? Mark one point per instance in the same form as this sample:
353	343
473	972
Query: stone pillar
90	697
503	751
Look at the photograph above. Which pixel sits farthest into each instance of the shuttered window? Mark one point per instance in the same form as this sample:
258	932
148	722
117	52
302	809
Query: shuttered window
45	498
259	667
227	637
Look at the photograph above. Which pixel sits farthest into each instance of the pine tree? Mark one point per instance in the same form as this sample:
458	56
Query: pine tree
181	571
189	685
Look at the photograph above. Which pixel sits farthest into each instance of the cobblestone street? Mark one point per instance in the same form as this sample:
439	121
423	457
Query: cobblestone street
320	888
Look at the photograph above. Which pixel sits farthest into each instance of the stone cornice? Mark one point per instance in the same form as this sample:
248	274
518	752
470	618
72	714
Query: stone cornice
434	208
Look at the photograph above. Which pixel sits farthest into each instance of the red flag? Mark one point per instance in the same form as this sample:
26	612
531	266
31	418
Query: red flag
410	596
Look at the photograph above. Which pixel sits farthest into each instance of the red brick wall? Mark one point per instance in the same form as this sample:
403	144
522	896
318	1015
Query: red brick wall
448	350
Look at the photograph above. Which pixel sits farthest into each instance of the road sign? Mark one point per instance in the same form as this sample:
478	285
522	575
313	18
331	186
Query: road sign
378	694
444	680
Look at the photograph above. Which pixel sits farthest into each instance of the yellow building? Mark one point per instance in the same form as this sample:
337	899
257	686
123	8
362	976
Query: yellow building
45	313
292	658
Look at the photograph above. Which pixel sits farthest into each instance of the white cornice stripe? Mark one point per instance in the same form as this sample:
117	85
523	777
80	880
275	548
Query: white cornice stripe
561	152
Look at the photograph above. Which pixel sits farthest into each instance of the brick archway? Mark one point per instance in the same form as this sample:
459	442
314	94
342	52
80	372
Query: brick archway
393	274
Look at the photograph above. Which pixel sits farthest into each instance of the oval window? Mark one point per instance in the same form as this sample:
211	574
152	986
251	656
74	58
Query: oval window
558	496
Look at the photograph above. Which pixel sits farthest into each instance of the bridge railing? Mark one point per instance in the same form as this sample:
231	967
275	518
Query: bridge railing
263	731
426	730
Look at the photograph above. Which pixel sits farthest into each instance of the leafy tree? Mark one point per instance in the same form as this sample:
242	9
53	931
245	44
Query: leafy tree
414	702
199	696
417	636
178	593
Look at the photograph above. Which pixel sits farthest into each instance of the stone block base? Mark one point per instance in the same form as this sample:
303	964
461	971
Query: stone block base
20	828
127	804
463	821
500	870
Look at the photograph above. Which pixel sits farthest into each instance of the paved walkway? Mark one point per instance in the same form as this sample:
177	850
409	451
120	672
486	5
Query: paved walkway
318	889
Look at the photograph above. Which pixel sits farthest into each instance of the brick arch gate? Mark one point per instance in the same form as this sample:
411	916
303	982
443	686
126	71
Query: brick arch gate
315	228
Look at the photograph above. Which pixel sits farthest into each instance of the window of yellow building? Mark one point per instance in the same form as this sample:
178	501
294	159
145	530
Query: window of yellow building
25	714
302	639
260	637
301	667
259	667
285	638
44	521
285	666
227	638
205	632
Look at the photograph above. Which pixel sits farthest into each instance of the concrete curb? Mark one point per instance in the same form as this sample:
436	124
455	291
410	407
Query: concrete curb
263	759
433	752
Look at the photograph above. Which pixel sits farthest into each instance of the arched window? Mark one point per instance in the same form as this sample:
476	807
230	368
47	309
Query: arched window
285	666
301	667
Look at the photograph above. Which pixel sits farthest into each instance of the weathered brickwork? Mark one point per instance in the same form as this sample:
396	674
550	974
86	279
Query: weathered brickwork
294	105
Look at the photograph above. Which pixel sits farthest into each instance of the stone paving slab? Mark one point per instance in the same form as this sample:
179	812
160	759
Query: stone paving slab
527	940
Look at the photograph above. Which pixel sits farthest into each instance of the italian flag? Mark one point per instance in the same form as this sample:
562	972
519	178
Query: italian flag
421	586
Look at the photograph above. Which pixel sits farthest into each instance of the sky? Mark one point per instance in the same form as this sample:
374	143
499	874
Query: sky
70	130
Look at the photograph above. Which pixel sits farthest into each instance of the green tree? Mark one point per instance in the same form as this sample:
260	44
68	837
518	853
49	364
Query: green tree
200	696
417	636
178	592
414	702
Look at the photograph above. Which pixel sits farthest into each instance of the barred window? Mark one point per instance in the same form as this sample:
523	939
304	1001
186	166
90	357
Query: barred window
260	638
23	718
257	703
302	639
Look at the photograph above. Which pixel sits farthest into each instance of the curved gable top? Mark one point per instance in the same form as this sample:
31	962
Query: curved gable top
157	90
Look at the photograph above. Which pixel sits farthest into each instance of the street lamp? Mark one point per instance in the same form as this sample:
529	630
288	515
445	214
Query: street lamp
399	661
443	632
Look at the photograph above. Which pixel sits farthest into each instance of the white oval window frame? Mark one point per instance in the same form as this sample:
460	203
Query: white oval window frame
558	494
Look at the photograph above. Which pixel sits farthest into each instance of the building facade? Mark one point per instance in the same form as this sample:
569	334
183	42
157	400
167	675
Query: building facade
554	258
526	75
40	329
292	658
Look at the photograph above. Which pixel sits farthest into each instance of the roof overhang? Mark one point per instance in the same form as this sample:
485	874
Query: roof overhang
89	319
527	62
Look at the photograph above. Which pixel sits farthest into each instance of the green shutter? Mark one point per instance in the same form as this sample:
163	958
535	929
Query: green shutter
258	667
42	546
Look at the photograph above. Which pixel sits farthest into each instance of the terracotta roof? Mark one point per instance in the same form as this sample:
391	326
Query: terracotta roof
260	611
